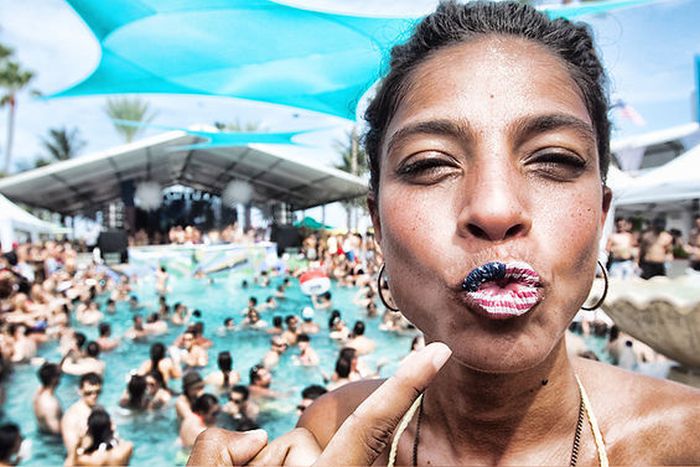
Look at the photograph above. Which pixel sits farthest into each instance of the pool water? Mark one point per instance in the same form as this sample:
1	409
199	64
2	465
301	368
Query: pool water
155	434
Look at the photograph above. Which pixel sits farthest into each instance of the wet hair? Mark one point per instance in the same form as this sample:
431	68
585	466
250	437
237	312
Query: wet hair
110	302
225	363
92	349
204	403
614	333
90	378
335	314
253	301
80	339
137	392
9	435
454	23
313	392
326	295
48	374
288	319
99	427
105	329
228	321
255	373
242	390
343	366
277	321
358	329
303	338
347	353
157	354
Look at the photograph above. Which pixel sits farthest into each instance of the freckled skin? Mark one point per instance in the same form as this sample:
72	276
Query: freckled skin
422	227
450	201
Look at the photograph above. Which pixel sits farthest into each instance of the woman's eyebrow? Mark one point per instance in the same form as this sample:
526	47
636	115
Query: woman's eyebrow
431	127
530	126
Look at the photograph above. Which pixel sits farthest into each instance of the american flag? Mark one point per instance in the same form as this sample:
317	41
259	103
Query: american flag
628	112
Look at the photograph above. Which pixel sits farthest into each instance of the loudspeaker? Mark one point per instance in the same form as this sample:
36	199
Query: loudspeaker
285	236
114	241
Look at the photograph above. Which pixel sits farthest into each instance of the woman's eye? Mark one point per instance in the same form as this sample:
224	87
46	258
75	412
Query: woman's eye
426	170
558	165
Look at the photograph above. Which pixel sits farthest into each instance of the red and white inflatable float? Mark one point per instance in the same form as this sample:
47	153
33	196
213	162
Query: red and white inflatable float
314	282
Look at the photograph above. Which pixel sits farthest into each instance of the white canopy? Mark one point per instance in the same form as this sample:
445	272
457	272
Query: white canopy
675	181
15	221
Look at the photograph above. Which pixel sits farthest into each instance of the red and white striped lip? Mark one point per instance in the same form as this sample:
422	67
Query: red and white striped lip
509	296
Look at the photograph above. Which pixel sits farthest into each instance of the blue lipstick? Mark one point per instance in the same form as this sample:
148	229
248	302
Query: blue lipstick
488	272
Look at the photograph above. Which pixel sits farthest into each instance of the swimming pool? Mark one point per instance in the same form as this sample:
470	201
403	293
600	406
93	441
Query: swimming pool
155	433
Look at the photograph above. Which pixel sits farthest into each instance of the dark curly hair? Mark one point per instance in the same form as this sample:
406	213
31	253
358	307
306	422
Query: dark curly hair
453	23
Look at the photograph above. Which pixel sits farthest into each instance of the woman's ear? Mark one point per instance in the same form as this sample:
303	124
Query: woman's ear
607	203
373	207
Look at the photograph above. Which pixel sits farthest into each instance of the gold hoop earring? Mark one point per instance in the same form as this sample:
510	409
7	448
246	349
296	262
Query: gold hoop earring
379	290
605	290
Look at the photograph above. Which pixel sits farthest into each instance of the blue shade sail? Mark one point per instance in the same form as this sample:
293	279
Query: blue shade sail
249	49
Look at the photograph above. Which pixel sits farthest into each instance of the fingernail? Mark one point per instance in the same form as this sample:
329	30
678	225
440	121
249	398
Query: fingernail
441	353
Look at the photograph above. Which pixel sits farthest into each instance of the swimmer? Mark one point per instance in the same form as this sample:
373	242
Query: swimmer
192	388
105	340
111	307
166	366
277	328
308	395
10	444
323	301
74	421
90	363
291	334
47	407
204	413
308	326
260	381
359	341
155	326
307	355
137	332
100	445
239	405
193	356
277	347
225	377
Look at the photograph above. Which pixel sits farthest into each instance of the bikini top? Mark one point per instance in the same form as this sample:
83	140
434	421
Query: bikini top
592	423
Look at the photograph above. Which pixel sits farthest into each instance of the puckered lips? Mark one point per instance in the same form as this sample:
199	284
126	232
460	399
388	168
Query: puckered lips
498	290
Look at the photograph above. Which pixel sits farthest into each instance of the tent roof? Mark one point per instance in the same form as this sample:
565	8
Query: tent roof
276	172
9	211
675	181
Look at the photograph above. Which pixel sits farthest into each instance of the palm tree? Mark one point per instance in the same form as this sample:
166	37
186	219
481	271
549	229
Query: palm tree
12	79
134	110
63	144
354	161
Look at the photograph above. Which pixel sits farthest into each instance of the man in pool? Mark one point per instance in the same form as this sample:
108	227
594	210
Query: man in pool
193	355
47	407
260	380
90	363
74	421
277	347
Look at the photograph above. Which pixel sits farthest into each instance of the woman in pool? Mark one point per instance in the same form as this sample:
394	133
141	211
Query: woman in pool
100	445
489	145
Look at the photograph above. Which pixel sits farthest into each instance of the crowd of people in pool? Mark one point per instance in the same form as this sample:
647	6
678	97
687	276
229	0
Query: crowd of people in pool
43	289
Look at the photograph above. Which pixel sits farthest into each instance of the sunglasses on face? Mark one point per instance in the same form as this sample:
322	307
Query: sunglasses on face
92	392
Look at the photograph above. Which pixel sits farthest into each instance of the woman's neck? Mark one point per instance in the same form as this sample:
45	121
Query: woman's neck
495	413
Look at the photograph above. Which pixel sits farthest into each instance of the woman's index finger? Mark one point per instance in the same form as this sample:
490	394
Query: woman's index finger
367	432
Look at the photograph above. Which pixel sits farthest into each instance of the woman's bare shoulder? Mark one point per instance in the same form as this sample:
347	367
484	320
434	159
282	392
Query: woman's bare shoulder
326	414
643	419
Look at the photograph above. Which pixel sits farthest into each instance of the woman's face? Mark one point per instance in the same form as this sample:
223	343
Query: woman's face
490	156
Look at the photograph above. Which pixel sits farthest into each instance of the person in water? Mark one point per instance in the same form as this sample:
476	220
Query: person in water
47	407
488	144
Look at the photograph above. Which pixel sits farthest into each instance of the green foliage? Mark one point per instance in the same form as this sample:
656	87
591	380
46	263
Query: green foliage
62	144
13	78
131	109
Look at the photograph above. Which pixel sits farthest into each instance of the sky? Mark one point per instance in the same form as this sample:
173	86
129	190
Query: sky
647	50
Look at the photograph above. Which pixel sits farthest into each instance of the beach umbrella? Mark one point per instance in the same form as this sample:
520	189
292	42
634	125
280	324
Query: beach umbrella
311	223
250	49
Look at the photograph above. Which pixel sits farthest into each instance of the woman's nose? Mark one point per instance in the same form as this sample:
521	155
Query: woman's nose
494	206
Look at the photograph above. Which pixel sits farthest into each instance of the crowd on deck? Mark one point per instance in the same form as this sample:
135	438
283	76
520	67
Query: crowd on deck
43	289
646	252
